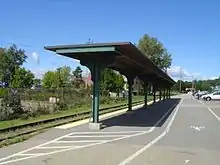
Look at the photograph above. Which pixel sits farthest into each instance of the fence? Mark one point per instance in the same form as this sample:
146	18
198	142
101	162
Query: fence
25	103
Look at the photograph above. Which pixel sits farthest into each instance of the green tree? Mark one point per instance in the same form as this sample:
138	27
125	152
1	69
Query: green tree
111	81
77	73
155	51
77	77
22	78
37	82
50	80
61	77
166	60
10	60
64	76
205	86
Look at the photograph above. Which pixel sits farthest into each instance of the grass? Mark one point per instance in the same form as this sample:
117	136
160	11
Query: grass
10	123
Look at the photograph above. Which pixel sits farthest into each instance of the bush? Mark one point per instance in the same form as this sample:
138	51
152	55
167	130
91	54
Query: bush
11	104
28	103
61	106
33	111
3	92
5	113
110	100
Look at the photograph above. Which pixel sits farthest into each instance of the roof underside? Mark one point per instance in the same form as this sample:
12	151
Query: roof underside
128	60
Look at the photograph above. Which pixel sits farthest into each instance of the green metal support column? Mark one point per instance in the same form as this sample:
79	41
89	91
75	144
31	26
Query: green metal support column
145	93
96	68
169	93
130	83
95	64
154	92
160	94
164	94
96	83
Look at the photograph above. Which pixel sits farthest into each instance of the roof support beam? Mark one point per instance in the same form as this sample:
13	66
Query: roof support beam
86	50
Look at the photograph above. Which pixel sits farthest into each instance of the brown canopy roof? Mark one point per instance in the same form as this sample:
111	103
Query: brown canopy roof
127	59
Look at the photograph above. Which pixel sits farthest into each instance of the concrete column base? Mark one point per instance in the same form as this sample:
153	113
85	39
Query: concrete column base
95	126
129	111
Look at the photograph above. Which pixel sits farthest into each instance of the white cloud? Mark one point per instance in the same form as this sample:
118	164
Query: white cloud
213	77
39	72
176	72
36	57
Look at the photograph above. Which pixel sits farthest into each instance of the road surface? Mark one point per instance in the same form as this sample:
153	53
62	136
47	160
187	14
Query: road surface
179	131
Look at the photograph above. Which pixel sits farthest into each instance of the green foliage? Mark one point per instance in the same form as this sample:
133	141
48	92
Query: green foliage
155	51
50	80
64	76
3	92
77	73
112	81
22	78
204	85
166	60
37	82
10	60
77	78
56	79
109	100
11	105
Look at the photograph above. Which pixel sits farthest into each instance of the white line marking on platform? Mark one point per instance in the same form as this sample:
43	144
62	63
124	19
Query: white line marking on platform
33	154
197	128
217	117
56	139
210	110
92	136
119	132
55	147
79	141
136	154
187	161
68	149
73	148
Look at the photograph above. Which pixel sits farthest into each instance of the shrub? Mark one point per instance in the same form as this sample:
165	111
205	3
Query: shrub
3	92
61	106
11	104
5	113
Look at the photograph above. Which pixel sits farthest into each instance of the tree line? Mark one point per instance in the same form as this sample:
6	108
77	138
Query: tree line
14	75
204	85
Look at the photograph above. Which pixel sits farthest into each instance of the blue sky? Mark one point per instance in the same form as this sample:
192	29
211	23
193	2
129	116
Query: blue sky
188	29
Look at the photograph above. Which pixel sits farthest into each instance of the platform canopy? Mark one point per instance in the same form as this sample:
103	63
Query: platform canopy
123	57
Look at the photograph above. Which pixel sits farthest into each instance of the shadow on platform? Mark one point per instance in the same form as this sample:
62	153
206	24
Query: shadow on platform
144	117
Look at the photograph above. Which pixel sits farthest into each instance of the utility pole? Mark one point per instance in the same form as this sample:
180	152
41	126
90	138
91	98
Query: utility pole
192	82
181	77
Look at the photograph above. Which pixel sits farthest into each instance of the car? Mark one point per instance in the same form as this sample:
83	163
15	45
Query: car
211	96
200	94
194	93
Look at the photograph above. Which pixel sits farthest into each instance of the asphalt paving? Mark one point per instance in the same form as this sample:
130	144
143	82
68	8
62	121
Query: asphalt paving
181	130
